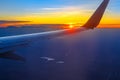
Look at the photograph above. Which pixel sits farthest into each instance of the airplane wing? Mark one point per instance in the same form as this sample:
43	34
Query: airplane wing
10	43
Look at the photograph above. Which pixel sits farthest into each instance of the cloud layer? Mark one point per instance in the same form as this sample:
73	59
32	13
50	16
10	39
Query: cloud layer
7	21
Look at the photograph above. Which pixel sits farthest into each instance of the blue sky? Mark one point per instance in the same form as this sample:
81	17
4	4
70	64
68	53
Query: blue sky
22	6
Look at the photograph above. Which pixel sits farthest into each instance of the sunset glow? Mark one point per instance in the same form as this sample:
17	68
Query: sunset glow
55	12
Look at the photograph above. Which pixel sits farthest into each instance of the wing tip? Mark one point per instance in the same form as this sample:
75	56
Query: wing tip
95	19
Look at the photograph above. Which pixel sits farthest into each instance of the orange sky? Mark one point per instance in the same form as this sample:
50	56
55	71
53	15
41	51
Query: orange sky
67	16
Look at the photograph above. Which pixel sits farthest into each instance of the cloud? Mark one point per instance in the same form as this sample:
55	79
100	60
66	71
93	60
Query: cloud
5	23
61	11
68	8
8	21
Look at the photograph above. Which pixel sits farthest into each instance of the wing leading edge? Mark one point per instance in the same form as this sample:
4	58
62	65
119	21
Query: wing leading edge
10	43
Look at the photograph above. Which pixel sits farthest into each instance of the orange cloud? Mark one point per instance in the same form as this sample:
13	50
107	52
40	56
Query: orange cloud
5	23
109	26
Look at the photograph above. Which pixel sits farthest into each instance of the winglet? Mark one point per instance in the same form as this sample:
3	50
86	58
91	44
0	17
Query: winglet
96	17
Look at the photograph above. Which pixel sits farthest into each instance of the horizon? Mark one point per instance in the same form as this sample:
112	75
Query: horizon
62	25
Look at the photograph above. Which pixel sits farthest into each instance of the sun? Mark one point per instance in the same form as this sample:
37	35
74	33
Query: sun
71	25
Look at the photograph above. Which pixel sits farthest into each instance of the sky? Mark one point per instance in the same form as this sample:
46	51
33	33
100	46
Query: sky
56	12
